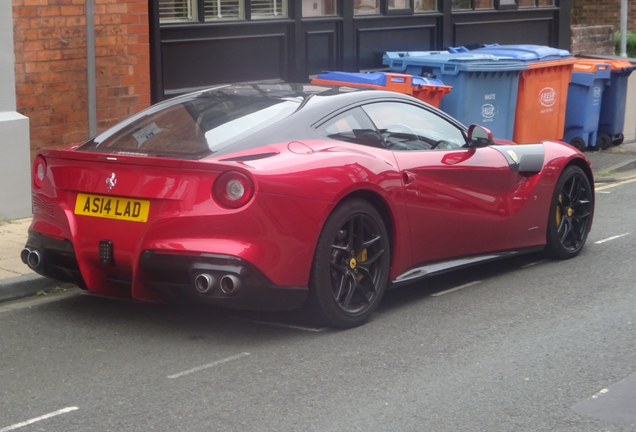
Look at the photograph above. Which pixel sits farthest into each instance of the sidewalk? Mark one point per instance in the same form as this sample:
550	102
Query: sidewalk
17	280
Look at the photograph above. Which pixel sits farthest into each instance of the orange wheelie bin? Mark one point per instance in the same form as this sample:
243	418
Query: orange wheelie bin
428	90
543	90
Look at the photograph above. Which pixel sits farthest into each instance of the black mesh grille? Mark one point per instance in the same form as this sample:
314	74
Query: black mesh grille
106	252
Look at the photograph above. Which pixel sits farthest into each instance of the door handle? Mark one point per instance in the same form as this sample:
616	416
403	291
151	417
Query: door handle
408	178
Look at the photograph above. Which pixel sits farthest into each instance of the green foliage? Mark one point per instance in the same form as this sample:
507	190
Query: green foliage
57	289
631	44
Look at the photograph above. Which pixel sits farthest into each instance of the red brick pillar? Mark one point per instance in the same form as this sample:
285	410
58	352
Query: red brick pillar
50	66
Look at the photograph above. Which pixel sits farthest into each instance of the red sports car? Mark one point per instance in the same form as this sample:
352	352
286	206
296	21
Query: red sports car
286	196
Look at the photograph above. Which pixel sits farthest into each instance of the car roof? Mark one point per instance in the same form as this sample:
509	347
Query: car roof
310	95
317	103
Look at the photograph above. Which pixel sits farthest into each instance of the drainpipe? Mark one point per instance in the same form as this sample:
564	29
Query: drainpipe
623	28
90	69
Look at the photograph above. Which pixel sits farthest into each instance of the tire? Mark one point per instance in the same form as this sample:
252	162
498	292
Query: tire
351	266
603	141
619	140
578	143
570	217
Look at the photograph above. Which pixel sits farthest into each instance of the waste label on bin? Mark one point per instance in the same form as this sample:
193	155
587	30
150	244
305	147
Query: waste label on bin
547	96
597	92
487	112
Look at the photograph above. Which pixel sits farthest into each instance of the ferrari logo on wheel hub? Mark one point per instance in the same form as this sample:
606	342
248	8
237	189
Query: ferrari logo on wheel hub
352	263
570	211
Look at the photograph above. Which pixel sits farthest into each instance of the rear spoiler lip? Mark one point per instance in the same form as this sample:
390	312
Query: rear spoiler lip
203	164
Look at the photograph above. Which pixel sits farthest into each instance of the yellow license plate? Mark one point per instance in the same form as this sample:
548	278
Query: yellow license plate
112	207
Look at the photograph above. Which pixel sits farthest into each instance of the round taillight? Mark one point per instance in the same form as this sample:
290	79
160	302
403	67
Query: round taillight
233	189
39	171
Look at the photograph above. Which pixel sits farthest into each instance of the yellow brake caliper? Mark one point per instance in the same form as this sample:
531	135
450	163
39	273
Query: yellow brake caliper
362	257
558	212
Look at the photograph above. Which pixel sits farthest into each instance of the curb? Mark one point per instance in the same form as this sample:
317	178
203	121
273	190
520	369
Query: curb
25	286
627	165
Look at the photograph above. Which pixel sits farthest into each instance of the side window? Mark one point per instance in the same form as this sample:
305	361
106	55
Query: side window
352	126
408	127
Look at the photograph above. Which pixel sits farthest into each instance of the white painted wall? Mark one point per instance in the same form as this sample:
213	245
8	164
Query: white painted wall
630	110
15	161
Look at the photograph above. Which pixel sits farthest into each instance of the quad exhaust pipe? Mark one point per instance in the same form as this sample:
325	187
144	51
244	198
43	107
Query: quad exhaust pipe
206	283
230	284
30	257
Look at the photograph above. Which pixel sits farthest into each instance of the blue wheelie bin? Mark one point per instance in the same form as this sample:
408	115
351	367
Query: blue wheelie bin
583	106
484	86
612	119
543	90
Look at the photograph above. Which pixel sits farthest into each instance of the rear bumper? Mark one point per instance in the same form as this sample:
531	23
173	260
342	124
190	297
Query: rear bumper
58	259
170	276
174	276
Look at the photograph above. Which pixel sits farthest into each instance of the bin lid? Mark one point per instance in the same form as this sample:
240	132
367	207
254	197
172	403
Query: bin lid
595	67
453	63
377	78
614	64
398	54
526	53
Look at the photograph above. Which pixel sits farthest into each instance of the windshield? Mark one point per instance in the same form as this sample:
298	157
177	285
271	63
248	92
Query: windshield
192	127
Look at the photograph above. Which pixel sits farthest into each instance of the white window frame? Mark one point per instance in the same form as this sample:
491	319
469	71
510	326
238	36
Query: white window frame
191	6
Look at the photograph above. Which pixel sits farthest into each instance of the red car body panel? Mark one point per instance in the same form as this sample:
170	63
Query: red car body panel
455	196
438	205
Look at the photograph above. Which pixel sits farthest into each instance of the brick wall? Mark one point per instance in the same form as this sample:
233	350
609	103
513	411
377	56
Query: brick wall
592	40
603	12
50	66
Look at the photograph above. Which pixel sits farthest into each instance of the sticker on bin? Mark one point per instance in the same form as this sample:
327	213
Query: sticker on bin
488	112
547	96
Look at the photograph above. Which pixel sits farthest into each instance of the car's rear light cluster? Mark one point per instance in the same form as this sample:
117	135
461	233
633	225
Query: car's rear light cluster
233	189
39	171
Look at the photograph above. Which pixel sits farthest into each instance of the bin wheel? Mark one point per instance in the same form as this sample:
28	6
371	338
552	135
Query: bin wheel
619	140
578	143
603	141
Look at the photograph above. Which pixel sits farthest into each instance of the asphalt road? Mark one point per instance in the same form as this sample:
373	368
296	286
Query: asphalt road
524	344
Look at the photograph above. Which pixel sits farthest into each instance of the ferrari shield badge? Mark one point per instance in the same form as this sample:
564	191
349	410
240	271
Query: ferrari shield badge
513	155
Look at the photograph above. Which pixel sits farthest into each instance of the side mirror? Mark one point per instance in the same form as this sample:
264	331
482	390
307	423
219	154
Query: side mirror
479	136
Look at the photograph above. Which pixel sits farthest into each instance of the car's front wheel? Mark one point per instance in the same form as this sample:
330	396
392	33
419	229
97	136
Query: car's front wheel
570	214
351	265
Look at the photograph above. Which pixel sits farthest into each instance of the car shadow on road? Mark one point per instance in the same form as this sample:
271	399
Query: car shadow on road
199	322
399	297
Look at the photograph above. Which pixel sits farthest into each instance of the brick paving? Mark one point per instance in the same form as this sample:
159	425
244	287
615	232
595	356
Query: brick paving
13	236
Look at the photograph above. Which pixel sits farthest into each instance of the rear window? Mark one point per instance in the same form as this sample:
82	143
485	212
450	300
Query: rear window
192	127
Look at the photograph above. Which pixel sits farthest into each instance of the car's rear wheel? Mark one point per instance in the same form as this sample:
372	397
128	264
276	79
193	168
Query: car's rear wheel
570	216
351	266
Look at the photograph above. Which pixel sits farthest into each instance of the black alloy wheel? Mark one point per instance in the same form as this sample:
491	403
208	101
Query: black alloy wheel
570	216
351	265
